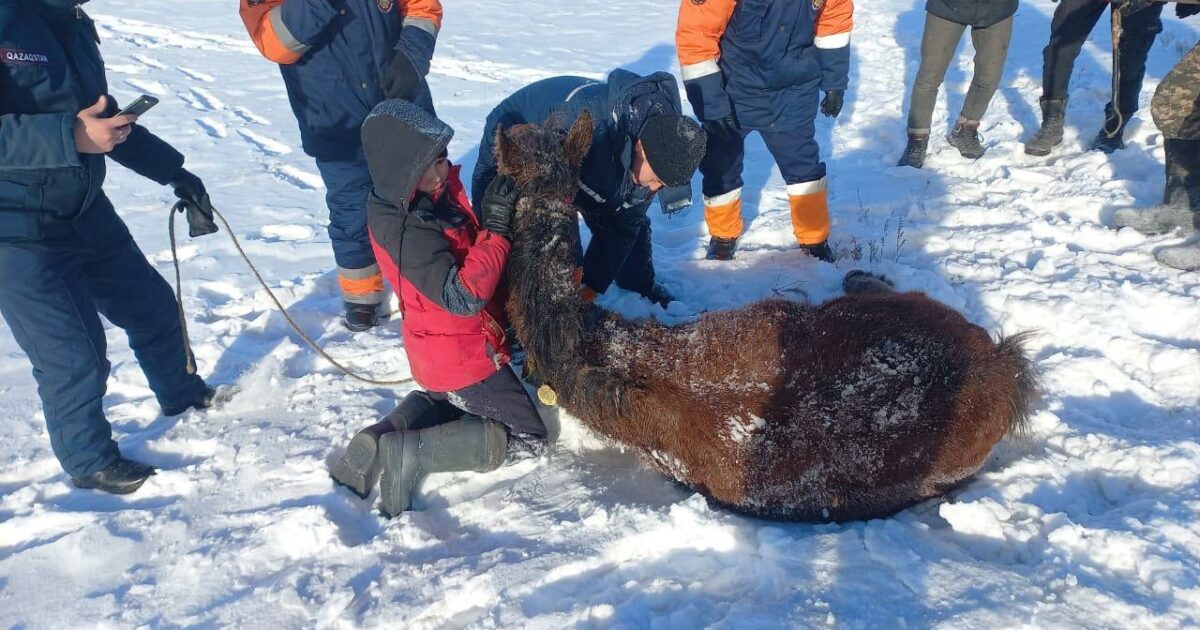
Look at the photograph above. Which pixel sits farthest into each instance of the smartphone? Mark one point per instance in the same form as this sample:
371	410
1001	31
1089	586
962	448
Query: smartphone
139	106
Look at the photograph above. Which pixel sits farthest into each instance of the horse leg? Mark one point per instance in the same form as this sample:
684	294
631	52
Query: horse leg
860	282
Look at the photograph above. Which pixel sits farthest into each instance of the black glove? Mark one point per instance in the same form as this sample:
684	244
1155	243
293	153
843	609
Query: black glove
725	130
401	79
499	202
1186	10
832	105
193	199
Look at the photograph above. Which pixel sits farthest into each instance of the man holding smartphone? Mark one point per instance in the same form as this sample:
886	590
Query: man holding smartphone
67	257
339	60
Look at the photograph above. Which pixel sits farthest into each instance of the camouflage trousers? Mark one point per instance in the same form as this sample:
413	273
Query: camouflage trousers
1176	104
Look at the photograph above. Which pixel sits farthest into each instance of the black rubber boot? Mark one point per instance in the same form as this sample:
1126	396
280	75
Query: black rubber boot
660	295
721	248
211	397
359	468
1111	136
1181	194
820	251
121	477
469	443
915	150
965	138
361	317
1050	135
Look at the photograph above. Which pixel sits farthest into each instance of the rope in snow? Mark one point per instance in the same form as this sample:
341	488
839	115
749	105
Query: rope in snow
187	343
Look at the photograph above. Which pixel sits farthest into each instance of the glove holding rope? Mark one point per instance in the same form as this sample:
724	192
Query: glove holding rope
194	202
1129	7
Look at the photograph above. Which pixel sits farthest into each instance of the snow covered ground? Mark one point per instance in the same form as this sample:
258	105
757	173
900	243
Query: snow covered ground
1089	523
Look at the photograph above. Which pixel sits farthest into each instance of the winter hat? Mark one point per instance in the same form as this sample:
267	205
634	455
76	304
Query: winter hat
400	141
674	144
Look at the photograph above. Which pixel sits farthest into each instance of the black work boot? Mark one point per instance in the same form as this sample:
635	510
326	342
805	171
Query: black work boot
820	251
209	398
360	317
1050	135
915	150
965	138
660	295
359	468
1181	194
469	443
1111	136
120	477
721	248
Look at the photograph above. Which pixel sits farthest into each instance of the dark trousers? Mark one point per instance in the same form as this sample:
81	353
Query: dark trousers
347	185
939	42
51	297
620	250
500	397
795	151
1072	23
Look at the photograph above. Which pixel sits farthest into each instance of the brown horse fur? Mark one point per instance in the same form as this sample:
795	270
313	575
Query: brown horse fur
853	409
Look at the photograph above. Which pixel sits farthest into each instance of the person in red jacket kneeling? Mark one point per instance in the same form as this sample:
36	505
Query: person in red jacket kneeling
446	262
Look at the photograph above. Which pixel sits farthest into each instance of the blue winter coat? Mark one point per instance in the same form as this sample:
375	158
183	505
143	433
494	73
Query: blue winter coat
335	84
619	107
50	69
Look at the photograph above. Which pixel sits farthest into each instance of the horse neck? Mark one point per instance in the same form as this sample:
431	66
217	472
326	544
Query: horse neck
544	300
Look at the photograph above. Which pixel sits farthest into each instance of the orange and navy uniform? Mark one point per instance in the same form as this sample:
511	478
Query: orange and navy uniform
334	57
761	65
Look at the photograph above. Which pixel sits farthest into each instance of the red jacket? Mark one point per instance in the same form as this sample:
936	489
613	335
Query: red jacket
447	270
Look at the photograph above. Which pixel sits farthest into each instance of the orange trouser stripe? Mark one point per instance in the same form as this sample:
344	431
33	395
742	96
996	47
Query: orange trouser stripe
361	286
724	220
810	217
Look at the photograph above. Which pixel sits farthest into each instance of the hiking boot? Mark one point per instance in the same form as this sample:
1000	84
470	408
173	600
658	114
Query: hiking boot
660	295
359	468
209	398
1050	135
859	282
915	150
965	138
121	477
469	443
361	317
1185	256
820	251
1111	136
721	248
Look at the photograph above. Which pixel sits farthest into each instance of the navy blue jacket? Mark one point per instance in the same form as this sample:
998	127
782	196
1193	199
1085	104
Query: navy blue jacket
346	49
619	107
50	69
769	62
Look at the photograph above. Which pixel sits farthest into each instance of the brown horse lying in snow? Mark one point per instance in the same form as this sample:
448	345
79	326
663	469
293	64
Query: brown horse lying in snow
853	409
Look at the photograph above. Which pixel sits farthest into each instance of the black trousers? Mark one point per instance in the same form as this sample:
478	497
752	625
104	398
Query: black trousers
620	250
1072	23
500	397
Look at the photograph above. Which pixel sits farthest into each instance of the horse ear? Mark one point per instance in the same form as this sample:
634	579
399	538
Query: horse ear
579	139
503	151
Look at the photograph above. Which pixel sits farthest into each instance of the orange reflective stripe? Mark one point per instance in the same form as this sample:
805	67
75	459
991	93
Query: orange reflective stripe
836	18
724	220
699	30
423	10
810	217
257	19
361	286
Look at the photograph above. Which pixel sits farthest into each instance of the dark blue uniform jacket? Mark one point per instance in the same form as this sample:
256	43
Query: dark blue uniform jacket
50	68
619	107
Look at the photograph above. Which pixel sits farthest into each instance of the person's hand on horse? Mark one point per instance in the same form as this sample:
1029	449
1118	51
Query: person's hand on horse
499	203
194	201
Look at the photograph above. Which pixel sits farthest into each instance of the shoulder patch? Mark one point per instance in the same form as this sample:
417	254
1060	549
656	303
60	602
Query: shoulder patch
385	6
699	2
17	57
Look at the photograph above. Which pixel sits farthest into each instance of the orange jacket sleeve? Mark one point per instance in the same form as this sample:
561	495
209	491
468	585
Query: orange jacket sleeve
421	13
264	24
698	35
834	23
